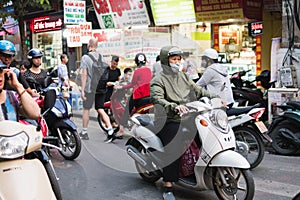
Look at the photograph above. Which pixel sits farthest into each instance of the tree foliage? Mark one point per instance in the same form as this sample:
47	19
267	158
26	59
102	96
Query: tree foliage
21	8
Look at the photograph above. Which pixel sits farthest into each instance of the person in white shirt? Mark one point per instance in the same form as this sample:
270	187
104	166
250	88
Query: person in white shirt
215	78
62	71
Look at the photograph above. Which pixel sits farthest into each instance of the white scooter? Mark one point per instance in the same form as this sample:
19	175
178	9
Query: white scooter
250	132
26	172
219	167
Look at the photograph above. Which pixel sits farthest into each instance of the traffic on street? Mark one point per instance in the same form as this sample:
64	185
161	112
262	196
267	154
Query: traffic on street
105	171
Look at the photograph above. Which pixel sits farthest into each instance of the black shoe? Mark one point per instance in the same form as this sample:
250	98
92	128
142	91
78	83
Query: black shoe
84	136
109	138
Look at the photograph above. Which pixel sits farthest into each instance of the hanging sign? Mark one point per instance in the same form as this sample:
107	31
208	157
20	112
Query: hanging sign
255	28
218	10
73	35
47	23
74	12
86	32
119	14
167	12
110	41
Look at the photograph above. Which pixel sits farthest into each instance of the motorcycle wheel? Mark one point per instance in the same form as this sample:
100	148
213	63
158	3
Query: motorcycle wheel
53	180
280	144
72	147
239	183
256	149
148	176
103	127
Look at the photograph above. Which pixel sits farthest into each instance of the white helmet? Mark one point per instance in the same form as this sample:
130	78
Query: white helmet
211	53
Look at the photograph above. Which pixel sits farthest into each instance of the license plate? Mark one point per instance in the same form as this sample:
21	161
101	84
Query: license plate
261	126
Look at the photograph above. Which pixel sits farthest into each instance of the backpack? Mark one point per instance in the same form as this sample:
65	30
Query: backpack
98	69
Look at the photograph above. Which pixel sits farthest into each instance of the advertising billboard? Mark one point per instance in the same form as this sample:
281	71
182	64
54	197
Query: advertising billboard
167	12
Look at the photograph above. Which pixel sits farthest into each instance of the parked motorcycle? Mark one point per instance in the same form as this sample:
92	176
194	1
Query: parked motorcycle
284	129
26	172
250	132
63	130
247	94
219	167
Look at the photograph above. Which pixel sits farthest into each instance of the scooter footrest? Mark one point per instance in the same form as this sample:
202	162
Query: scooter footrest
191	179
49	138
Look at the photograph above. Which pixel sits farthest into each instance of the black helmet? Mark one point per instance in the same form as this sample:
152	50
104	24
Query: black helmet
34	53
175	51
7	47
140	59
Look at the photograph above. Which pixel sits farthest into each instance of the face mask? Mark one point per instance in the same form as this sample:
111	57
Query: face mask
176	67
129	78
204	63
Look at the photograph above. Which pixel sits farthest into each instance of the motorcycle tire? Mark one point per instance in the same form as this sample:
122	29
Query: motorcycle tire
148	176
239	183
280	144
256	149
72	148
103	127
53	180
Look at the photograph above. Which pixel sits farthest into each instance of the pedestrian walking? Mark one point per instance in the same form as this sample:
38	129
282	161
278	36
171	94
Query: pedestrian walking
88	95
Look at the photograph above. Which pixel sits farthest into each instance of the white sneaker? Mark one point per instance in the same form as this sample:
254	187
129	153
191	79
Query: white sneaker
110	131
168	196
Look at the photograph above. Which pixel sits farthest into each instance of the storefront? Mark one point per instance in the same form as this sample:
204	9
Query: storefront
237	46
234	35
48	38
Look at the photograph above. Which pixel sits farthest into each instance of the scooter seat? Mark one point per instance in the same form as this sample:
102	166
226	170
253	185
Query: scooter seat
295	104
240	110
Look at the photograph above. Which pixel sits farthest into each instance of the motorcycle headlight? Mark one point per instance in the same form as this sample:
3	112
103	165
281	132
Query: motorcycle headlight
219	118
13	146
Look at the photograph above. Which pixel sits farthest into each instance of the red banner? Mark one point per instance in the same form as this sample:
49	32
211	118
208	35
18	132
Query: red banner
217	10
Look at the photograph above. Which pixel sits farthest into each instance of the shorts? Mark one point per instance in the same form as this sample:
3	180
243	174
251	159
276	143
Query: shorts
99	100
88	103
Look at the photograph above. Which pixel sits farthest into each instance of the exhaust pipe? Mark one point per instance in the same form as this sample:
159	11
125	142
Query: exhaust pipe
136	155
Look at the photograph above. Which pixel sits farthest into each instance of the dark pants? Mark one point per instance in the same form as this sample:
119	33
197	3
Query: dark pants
175	143
133	103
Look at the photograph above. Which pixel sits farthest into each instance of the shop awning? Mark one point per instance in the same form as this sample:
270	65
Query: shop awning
222	10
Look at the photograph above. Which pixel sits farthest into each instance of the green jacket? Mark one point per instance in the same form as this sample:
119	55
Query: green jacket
168	89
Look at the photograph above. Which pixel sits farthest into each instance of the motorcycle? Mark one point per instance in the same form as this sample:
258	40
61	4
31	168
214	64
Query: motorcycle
26	172
115	109
250	132
63	131
218	167
284	129
247	94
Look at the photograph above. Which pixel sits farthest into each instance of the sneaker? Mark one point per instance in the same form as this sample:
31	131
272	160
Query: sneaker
109	138
168	196
110	131
84	136
119	137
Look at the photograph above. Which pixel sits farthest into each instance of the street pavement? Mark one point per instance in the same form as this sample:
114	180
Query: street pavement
277	177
